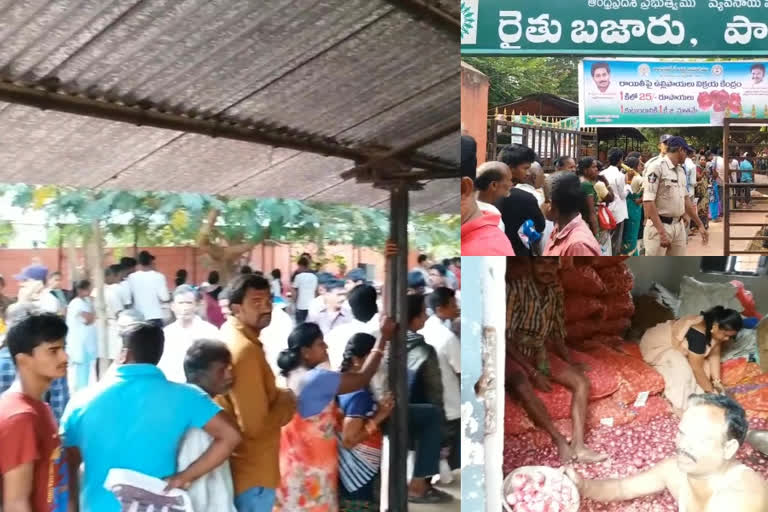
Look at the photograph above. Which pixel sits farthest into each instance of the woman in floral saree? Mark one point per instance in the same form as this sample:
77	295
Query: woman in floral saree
309	462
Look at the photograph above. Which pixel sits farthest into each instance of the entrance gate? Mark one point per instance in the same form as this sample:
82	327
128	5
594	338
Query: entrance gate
746	228
548	142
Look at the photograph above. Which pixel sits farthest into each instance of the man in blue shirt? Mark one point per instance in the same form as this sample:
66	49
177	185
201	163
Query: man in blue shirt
746	177
135	419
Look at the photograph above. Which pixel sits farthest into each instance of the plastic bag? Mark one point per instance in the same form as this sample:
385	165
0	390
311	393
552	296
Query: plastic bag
605	218
617	279
582	280
580	307
747	300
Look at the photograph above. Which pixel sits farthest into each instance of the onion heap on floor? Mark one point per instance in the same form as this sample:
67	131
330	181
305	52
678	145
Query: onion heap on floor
598	311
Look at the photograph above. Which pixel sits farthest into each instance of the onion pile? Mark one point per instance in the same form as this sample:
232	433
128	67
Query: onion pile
540	490
633	448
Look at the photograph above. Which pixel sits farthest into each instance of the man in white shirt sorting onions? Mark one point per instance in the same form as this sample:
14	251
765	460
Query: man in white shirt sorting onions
704	474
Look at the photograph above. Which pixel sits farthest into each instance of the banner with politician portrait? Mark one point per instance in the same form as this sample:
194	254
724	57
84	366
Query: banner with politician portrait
652	92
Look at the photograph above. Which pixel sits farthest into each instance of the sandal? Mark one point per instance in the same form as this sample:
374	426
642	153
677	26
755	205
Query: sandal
431	496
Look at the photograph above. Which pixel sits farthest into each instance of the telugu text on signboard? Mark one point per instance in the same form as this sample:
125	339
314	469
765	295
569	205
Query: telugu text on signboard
651	92
610	27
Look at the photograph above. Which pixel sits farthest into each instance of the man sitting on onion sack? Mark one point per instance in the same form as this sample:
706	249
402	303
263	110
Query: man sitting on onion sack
703	475
535	319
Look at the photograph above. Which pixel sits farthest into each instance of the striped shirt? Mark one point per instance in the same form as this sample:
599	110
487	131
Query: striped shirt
534	314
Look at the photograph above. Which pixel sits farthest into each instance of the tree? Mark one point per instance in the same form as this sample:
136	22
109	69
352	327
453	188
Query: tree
222	226
514	77
6	233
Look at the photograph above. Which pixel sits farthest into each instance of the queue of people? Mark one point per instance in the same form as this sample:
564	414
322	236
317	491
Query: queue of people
262	412
628	206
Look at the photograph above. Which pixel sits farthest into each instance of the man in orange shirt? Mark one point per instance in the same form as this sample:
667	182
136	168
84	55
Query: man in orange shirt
257	404
480	233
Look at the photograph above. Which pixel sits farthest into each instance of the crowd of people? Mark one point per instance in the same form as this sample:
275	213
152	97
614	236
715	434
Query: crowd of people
630	205
251	395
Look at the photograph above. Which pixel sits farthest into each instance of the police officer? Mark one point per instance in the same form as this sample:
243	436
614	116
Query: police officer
662	149
666	200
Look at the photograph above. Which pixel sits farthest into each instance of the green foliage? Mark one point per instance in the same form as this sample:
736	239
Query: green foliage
6	233
168	219
514	77
699	137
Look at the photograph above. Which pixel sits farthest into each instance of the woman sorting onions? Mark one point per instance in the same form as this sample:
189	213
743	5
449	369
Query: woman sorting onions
686	352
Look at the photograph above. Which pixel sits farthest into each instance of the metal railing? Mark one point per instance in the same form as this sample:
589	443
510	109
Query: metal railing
731	196
548	142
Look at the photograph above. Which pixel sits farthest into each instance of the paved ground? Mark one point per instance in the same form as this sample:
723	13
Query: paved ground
454	489
716	236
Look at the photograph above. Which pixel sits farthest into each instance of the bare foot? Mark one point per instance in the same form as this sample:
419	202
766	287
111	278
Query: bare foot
584	454
567	454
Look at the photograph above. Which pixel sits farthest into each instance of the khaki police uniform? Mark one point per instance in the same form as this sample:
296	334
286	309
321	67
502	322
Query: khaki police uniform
664	183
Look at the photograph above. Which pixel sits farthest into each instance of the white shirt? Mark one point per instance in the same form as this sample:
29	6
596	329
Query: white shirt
617	180
531	190
611	94
487	207
214	490
690	175
317	305
339	336
113	298
306	284
275	288
274	337
125	292
178	339
448	348
149	288
49	303
82	338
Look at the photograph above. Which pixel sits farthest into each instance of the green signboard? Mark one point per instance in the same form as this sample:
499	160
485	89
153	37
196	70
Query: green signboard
614	27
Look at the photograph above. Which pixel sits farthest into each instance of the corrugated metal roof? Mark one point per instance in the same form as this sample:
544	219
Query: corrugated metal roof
362	71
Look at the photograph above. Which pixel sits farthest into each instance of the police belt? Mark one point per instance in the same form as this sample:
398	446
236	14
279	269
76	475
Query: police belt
670	220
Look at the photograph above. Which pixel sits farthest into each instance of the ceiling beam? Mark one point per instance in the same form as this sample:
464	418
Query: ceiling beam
438	18
403	151
243	130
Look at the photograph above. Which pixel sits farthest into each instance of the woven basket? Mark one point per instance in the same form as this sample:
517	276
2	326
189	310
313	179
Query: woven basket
548	473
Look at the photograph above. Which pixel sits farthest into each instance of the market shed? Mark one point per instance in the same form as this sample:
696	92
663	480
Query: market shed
339	101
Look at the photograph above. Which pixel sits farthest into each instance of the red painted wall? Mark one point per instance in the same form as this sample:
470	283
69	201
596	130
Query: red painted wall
171	259
474	107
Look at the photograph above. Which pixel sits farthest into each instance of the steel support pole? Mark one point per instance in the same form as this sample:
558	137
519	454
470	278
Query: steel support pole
398	355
